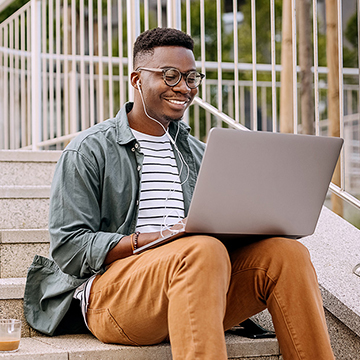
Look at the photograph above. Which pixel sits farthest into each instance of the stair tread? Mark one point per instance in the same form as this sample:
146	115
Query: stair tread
24	236
12	288
30	156
24	186
87	346
24	191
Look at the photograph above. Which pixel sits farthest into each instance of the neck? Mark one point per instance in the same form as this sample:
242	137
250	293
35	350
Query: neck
140	121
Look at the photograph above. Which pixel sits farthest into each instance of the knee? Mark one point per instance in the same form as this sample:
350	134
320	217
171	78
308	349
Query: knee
292	251
208	252
208	246
290	256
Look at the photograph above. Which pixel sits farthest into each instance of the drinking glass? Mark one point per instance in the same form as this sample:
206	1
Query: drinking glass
10	334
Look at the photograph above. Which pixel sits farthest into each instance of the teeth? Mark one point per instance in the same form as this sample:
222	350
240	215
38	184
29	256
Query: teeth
177	102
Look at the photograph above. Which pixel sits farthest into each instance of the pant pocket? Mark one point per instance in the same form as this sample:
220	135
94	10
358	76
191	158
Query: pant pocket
103	325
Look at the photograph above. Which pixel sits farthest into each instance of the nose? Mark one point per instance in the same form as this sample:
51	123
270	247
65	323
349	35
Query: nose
182	86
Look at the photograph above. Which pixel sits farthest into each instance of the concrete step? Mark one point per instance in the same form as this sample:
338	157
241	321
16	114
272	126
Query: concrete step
24	207
27	167
18	248
24	191
25	179
11	302
87	347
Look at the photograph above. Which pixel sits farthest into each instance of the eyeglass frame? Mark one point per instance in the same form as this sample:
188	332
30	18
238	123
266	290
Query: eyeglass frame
182	75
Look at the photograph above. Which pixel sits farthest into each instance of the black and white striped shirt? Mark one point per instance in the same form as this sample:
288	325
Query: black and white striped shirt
161	199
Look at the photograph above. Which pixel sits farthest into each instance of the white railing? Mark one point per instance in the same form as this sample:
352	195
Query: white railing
64	66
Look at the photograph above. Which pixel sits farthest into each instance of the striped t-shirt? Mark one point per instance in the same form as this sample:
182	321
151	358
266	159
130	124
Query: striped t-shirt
161	199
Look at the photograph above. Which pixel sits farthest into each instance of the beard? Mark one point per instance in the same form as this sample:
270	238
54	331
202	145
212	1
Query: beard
166	118
170	119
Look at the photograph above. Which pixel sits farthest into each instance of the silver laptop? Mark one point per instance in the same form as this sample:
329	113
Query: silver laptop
260	183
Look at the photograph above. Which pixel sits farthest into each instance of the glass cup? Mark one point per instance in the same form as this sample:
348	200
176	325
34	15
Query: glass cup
10	334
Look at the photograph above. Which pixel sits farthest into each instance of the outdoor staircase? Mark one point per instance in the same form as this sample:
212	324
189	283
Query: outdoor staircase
25	179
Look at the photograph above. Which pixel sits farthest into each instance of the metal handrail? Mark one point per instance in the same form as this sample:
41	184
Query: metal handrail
213	110
352	200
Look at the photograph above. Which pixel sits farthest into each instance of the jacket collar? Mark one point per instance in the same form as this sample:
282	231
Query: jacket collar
124	134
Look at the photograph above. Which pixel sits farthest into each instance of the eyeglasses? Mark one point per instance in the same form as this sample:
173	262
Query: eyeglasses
173	76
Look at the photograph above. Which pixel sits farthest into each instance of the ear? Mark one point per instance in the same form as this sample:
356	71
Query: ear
135	78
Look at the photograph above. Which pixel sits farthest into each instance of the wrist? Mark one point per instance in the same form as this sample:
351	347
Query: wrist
134	240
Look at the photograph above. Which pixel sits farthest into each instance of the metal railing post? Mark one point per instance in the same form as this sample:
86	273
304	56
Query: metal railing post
273	64
174	14
133	30
341	93
294	67
254	72
36	118
316	69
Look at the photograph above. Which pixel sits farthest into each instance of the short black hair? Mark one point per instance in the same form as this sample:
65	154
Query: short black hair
150	39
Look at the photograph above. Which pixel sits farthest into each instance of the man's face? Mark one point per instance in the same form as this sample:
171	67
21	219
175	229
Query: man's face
163	102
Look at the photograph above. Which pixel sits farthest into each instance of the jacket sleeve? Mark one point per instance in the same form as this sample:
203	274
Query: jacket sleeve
76	243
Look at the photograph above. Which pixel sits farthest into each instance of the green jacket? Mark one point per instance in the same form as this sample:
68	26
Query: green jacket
94	203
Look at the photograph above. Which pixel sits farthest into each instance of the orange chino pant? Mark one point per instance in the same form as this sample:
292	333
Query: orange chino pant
192	289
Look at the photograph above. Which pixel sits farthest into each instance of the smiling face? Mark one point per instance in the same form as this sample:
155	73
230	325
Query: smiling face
162	102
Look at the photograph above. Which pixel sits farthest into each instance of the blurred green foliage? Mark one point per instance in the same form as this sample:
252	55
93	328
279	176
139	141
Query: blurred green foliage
15	5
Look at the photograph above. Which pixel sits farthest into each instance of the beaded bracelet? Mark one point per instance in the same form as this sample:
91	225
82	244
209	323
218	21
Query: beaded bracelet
136	238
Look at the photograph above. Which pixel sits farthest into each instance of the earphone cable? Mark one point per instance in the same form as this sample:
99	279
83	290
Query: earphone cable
165	226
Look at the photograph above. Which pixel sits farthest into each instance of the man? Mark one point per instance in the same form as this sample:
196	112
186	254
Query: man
128	181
